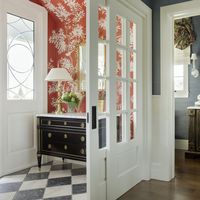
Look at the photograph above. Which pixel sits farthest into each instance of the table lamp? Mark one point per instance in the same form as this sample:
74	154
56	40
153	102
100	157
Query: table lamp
58	75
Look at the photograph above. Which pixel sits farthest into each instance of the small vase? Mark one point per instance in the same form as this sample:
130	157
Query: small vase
71	107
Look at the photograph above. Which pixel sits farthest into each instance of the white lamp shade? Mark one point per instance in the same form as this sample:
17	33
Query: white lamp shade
58	74
194	56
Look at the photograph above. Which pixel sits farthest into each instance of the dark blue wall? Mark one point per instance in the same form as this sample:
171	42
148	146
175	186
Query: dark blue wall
148	2
156	4
194	89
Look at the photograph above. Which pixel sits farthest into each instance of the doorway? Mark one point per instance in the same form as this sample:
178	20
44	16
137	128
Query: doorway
168	15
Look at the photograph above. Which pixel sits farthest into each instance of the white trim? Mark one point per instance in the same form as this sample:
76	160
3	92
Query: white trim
165	129
181	144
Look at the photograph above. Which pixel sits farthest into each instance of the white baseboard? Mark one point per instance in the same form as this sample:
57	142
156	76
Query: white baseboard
181	144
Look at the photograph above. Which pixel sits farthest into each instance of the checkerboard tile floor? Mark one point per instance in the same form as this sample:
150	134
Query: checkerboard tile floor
54	181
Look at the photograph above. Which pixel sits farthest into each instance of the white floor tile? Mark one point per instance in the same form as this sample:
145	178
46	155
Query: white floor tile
40	170
7	196
59	173
80	197
78	179
57	191
36	184
12	179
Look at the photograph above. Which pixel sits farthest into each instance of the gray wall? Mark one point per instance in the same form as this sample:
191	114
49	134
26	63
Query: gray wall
148	2
156	4
181	104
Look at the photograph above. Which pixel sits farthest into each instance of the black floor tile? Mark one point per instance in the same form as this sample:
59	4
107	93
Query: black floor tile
24	171
79	188
10	187
60	198
61	167
80	171
59	181
36	176
29	194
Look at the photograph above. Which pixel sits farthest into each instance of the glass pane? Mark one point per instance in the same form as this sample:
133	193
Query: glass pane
102	59
178	83
102	133
102	95
120	59
119	95
119	128
20	58
132	125
133	65
178	70
133	95
132	35
120	30
103	19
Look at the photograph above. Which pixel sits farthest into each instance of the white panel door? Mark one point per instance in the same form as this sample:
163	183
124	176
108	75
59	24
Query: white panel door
125	154
23	92
117	167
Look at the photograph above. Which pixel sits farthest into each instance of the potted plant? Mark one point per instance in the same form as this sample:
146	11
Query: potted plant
71	99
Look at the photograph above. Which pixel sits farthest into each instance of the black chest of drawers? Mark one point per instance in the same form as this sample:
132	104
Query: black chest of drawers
61	137
65	137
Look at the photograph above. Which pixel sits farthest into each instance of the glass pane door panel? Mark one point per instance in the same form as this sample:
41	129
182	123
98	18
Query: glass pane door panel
133	95
119	95
119	128
121	66
103	21
102	59
133	65
120	30
20	58
132	35
102	88
132	125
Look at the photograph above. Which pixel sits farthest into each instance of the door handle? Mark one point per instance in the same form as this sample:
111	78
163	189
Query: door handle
94	117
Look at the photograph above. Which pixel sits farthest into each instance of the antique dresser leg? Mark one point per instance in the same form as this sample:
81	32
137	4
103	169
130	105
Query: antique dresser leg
39	157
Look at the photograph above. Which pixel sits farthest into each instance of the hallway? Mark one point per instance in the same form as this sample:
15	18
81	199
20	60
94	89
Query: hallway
184	187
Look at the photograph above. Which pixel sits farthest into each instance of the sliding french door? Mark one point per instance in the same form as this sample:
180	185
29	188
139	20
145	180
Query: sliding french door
114	75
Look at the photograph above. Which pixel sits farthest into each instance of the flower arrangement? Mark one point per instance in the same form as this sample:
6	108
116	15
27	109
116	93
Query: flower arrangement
71	99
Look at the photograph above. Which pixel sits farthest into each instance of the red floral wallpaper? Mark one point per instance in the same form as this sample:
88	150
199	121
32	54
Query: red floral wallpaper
66	31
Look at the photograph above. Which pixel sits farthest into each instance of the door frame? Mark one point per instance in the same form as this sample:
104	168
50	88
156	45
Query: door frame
44	34
164	111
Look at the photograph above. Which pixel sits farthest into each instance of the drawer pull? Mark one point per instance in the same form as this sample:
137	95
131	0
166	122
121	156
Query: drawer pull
49	146
82	125
82	151
65	136
49	122
82	139
49	135
65	147
65	123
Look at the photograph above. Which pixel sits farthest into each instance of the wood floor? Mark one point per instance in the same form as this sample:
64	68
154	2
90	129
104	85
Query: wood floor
185	186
